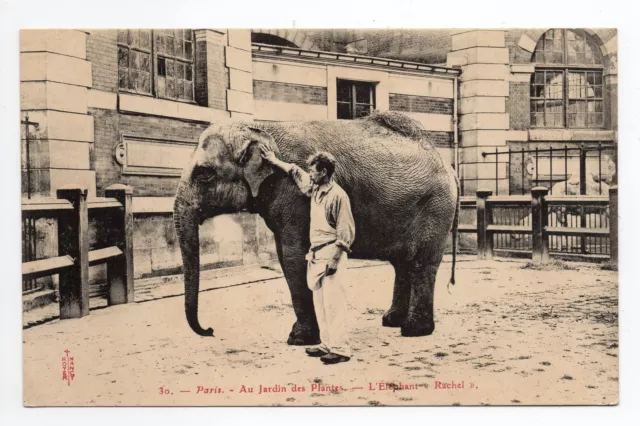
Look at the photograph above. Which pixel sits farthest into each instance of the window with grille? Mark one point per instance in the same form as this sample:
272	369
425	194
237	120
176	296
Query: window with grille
355	99
567	87
157	63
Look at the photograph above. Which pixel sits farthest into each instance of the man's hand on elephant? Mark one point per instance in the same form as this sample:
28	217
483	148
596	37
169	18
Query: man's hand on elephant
267	153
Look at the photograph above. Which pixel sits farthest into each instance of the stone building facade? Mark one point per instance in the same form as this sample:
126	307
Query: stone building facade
128	107
502	71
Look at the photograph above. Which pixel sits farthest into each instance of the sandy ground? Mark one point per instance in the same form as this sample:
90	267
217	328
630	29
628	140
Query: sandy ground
504	335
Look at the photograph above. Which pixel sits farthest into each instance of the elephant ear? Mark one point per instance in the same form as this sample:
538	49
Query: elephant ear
256	170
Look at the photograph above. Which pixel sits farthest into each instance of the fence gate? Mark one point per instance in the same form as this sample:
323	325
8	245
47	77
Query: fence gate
540	224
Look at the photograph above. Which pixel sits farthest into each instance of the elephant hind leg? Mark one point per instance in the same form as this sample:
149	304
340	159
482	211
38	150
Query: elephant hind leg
421	277
397	313
419	321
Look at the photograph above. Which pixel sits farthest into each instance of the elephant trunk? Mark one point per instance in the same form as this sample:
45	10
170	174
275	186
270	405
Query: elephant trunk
186	219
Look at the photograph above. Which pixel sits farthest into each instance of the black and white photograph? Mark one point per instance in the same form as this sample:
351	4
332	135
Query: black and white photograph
319	217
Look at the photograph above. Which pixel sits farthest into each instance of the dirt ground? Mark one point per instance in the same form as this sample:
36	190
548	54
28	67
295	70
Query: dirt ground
504	335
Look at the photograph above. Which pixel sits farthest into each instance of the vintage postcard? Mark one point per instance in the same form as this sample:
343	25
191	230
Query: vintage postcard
326	217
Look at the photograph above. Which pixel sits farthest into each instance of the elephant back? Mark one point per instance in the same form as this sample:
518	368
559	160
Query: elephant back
383	161
389	144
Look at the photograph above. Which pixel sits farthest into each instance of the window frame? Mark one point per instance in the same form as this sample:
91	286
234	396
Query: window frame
130	48
566	68
353	102
153	63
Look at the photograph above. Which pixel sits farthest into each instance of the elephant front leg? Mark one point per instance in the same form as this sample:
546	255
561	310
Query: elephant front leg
305	330
397	313
419	320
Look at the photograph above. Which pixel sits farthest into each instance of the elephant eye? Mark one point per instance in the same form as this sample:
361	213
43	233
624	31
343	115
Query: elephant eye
203	174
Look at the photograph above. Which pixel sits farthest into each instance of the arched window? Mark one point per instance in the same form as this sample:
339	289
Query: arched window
270	39
567	88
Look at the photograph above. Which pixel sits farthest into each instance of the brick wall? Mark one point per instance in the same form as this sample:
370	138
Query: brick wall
102	52
517	105
413	103
611	106
517	55
211	75
106	137
200	70
439	139
109	125
333	40
427	46
217	78
287	92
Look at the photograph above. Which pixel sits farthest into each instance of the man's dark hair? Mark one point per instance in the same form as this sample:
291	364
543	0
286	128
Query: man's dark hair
324	160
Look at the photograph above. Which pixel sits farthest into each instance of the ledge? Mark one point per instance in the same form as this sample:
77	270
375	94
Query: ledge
168	108
102	100
521	73
572	135
150	205
523	68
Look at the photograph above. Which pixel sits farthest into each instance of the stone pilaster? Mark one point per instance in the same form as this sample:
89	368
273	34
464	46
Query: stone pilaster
224	69
212	76
611	98
55	77
240	66
484	121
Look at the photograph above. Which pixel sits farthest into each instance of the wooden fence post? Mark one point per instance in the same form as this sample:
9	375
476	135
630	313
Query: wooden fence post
483	211
120	269
73	239
613	223
539	219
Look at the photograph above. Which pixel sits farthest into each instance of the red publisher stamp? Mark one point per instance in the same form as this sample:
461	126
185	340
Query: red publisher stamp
68	367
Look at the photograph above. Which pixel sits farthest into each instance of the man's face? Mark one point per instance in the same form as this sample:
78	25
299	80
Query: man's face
317	176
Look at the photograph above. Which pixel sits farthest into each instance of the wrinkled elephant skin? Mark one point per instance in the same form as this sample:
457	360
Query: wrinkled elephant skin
404	199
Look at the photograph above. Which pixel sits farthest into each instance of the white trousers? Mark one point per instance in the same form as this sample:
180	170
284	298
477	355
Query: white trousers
329	300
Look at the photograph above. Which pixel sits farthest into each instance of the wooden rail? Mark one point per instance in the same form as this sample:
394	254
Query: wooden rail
539	202
44	206
44	267
71	209
582	200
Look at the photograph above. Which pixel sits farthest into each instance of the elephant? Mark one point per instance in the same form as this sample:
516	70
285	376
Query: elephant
405	200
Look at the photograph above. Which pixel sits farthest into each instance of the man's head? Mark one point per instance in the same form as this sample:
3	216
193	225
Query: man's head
321	167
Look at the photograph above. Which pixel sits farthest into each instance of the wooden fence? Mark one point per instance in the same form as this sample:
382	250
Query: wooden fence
71	208
541	208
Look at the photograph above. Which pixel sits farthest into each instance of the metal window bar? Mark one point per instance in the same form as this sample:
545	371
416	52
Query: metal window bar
537	168
566	168
497	171
565	151
583	216
522	171
29	224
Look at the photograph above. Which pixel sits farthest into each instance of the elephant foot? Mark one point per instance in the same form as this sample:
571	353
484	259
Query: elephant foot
416	329
301	336
393	318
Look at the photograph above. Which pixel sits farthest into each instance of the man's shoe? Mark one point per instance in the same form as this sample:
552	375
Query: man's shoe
334	358
316	352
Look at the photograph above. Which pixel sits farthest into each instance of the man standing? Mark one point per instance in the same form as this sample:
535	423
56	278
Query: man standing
332	232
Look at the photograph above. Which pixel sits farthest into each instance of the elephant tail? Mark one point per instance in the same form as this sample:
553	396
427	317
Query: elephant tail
454	234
